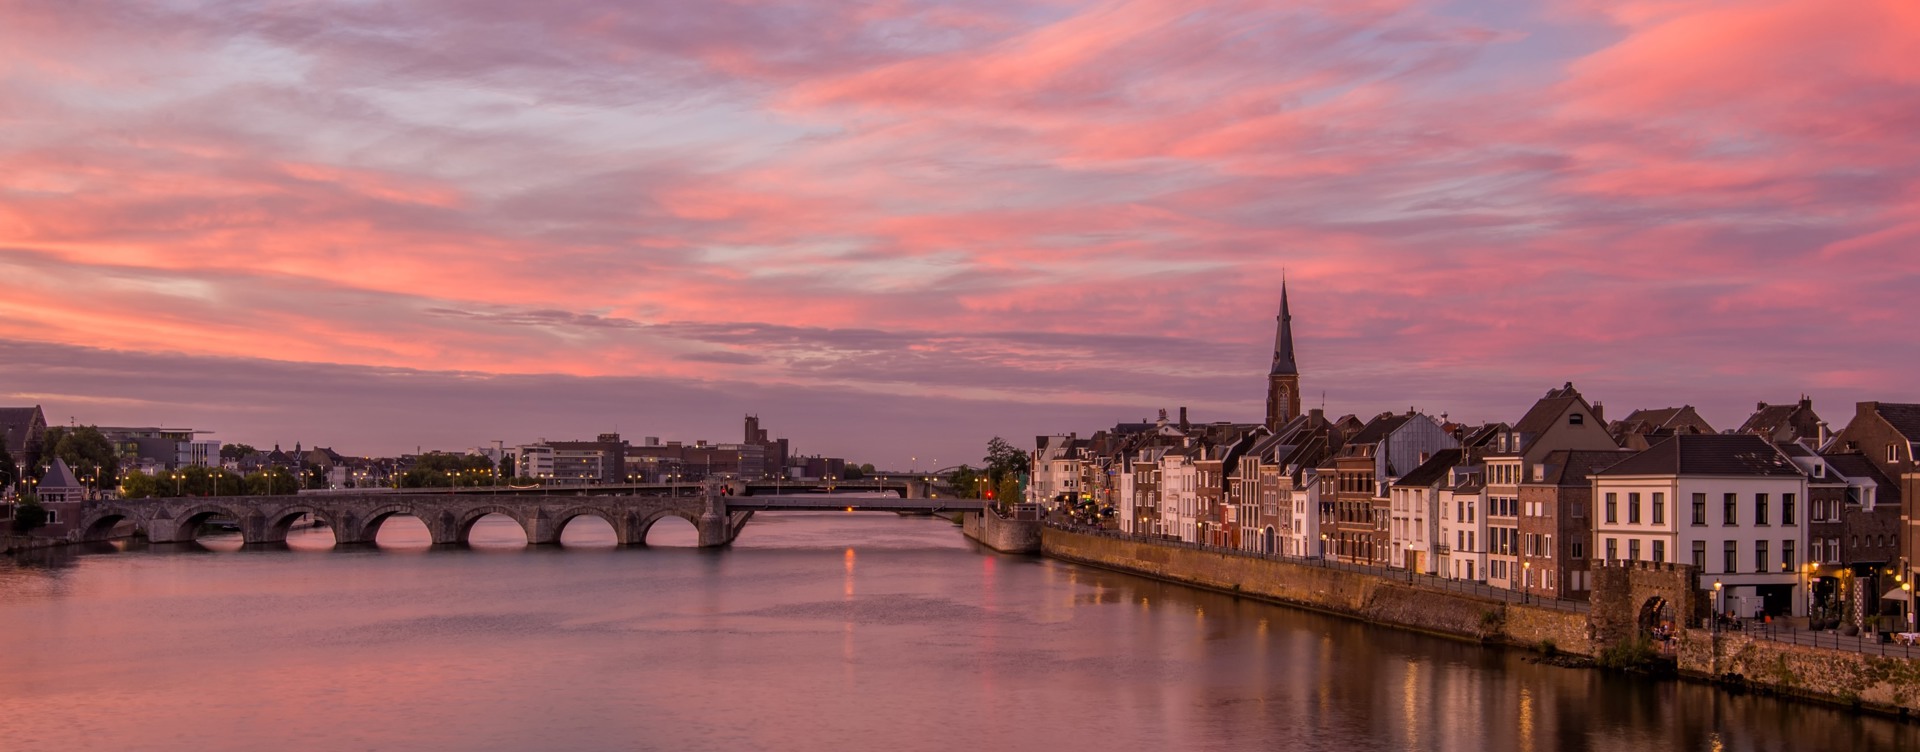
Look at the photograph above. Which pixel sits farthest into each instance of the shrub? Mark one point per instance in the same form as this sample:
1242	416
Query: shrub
1631	653
1548	647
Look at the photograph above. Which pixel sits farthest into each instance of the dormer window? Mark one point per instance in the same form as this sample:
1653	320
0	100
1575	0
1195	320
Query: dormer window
1893	452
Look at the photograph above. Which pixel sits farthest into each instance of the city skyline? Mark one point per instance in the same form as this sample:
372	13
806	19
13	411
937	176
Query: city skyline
895	231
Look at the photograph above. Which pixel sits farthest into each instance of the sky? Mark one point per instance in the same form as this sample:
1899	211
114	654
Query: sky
894	229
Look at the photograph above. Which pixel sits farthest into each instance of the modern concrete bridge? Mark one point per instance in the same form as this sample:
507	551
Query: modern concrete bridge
356	517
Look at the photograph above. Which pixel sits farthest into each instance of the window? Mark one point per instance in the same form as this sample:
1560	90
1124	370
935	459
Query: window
1700	555
1633	509
1786	509
1613	509
1760	560
1576	419
1760	509
1700	509
1786	556
1730	562
53	516
1893	452
1579	549
1613	549
1730	506
1633	549
1659	551
1659	509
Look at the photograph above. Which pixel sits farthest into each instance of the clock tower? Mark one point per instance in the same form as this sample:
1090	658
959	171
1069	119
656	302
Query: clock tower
1283	380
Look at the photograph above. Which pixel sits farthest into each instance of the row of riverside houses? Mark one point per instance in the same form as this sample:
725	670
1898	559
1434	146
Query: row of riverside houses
1787	516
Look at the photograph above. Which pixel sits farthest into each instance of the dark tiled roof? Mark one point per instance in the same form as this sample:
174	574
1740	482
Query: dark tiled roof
1904	418
59	476
1543	416
1768	418
1381	427
1857	466
1707	454
15	423
1568	467
1431	472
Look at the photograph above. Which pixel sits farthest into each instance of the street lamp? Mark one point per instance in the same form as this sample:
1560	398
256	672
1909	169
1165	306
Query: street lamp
1714	622
1526	581
1323	549
1906	588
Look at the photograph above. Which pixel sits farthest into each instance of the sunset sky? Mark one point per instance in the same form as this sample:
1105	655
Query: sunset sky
895	229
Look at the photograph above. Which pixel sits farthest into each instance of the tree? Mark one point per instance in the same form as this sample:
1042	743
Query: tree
29	515
236	451
969	482
87	452
274	480
139	485
1004	461
9	472
852	472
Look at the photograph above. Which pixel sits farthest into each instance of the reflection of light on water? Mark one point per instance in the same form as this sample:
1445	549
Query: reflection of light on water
846	631
1526	718
1718	744
1410	689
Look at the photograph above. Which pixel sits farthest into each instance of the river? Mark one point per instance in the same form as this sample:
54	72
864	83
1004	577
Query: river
812	632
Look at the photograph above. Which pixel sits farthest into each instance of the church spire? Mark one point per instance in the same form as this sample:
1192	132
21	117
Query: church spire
1283	380
1283	339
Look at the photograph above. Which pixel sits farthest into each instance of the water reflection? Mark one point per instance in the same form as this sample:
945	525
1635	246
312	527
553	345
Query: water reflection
812	632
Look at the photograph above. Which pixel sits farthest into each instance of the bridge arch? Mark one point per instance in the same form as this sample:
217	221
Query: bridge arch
277	522
186	524
368	525
99	524
463	524
614	520
644	524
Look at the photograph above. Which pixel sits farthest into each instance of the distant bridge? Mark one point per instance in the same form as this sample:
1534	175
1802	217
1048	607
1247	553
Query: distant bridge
355	518
911	488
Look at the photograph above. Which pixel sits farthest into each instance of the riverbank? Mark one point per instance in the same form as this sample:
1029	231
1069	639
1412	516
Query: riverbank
1886	685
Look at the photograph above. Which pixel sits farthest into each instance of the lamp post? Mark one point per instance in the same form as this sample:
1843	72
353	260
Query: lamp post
1906	588
1323	549
1526	581
1714	622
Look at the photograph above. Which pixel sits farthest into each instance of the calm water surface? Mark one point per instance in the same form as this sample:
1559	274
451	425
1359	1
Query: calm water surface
813	632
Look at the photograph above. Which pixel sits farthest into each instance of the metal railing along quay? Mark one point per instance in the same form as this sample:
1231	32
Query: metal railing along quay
1865	643
1428	581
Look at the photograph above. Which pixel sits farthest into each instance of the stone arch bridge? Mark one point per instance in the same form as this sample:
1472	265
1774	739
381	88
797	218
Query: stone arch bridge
355	518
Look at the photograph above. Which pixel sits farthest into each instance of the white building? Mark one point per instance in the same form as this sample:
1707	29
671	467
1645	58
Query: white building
1463	529
1730	505
1414	514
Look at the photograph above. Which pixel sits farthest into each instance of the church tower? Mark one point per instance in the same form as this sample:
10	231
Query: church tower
1283	380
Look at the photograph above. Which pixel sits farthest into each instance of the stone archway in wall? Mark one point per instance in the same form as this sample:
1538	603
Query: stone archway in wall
1631	598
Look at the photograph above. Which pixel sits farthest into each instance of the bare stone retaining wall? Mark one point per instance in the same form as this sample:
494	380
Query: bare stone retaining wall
1882	684
1003	535
1370	597
1886	684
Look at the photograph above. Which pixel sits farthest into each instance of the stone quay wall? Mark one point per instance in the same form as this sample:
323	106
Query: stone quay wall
1003	535
1882	683
1369	597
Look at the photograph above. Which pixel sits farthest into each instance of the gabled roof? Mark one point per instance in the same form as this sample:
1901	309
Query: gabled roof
1904	418
1546	413
16	424
1380	428
1436	469
1707	454
1570	467
1856	466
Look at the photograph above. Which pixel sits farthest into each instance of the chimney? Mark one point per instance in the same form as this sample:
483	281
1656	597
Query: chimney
1600	414
1806	403
1318	414
1825	434
1183	418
